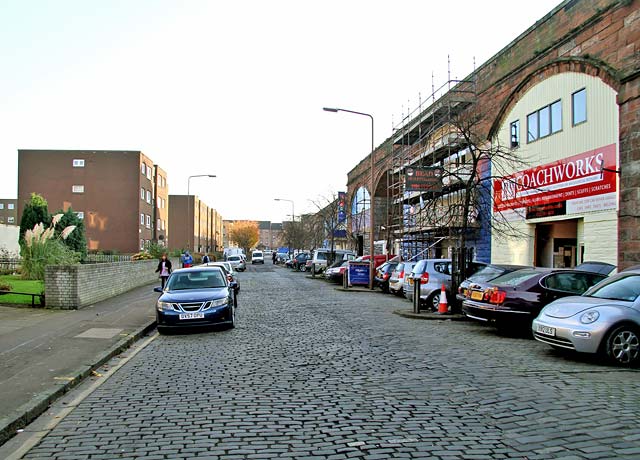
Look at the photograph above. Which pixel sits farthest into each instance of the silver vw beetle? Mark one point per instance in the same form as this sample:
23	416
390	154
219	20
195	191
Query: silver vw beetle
605	319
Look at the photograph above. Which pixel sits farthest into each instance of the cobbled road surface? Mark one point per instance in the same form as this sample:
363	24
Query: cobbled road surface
312	372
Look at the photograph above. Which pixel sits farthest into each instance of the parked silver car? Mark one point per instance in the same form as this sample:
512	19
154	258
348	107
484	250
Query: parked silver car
433	274
232	275
605	319
237	262
396	282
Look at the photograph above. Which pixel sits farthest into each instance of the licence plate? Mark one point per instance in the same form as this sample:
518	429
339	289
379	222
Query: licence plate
191	316
546	330
476	295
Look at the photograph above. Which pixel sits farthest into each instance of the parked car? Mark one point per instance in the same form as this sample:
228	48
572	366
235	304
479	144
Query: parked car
433	274
605	320
321	256
383	274
300	260
196	296
337	271
282	257
484	275
257	257
396	280
516	298
237	262
597	267
232	275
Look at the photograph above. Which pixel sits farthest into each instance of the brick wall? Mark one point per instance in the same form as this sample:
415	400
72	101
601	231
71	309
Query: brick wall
595	37
77	286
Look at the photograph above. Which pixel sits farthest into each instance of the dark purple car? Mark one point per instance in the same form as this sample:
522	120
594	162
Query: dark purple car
516	298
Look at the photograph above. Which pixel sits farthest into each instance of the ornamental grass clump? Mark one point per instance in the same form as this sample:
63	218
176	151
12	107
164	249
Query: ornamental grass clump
41	248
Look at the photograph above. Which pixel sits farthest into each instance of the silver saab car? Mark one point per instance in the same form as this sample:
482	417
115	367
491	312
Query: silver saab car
605	319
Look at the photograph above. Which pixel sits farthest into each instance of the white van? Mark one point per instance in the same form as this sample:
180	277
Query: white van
320	257
257	257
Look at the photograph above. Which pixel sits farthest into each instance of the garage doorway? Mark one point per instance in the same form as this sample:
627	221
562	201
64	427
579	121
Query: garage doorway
556	244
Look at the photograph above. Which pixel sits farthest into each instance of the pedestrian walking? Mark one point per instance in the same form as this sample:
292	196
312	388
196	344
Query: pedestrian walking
206	259
274	255
164	268
187	260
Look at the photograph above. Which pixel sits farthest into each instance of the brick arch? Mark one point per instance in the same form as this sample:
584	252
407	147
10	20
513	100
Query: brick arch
573	64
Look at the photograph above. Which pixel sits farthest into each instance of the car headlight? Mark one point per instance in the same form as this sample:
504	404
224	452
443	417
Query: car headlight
164	306
216	303
589	317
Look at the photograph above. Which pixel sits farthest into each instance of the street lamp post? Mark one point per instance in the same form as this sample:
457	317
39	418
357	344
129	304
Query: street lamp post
190	228
293	216
371	190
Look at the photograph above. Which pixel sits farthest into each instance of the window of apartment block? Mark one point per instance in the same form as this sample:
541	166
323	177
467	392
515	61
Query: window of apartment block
77	188
142	193
163	225
544	122
514	130
143	169
141	219
78	163
579	107
149	172
1	205
11	220
141	244
148	196
158	224
80	215
148	221
11	206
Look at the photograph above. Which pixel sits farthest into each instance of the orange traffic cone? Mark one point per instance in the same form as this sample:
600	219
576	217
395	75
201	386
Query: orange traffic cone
443	307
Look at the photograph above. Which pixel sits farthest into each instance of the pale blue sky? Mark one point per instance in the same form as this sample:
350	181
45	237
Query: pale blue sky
234	89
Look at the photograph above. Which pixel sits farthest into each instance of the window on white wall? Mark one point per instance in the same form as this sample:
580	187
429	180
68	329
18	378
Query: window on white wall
579	107
544	122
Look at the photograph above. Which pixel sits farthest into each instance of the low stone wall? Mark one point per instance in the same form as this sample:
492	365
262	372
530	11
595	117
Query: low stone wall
77	286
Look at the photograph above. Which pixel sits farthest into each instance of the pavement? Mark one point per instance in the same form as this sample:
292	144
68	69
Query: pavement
44	353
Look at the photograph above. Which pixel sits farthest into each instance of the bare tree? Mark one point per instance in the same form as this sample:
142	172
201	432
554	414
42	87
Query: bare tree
328	222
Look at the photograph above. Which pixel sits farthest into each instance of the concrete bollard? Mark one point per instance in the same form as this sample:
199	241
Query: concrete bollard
416	294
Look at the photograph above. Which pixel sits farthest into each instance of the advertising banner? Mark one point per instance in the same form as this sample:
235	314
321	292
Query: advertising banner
358	273
423	179
342	215
579	178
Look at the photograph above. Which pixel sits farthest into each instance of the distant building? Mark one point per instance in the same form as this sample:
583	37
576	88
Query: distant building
121	194
9	211
194	225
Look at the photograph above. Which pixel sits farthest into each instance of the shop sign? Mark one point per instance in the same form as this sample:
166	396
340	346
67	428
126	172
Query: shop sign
547	210
578	177
423	179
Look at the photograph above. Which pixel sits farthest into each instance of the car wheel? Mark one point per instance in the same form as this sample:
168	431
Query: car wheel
303	268
622	345
434	301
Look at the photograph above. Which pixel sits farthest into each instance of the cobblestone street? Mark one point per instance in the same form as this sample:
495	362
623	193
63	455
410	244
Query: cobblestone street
312	372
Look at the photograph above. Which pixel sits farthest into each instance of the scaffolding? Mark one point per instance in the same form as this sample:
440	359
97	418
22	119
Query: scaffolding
425	137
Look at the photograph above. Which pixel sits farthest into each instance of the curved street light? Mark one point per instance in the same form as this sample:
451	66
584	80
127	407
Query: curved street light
371	191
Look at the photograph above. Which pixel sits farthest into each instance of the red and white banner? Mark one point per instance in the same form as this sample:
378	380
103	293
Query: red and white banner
575	177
